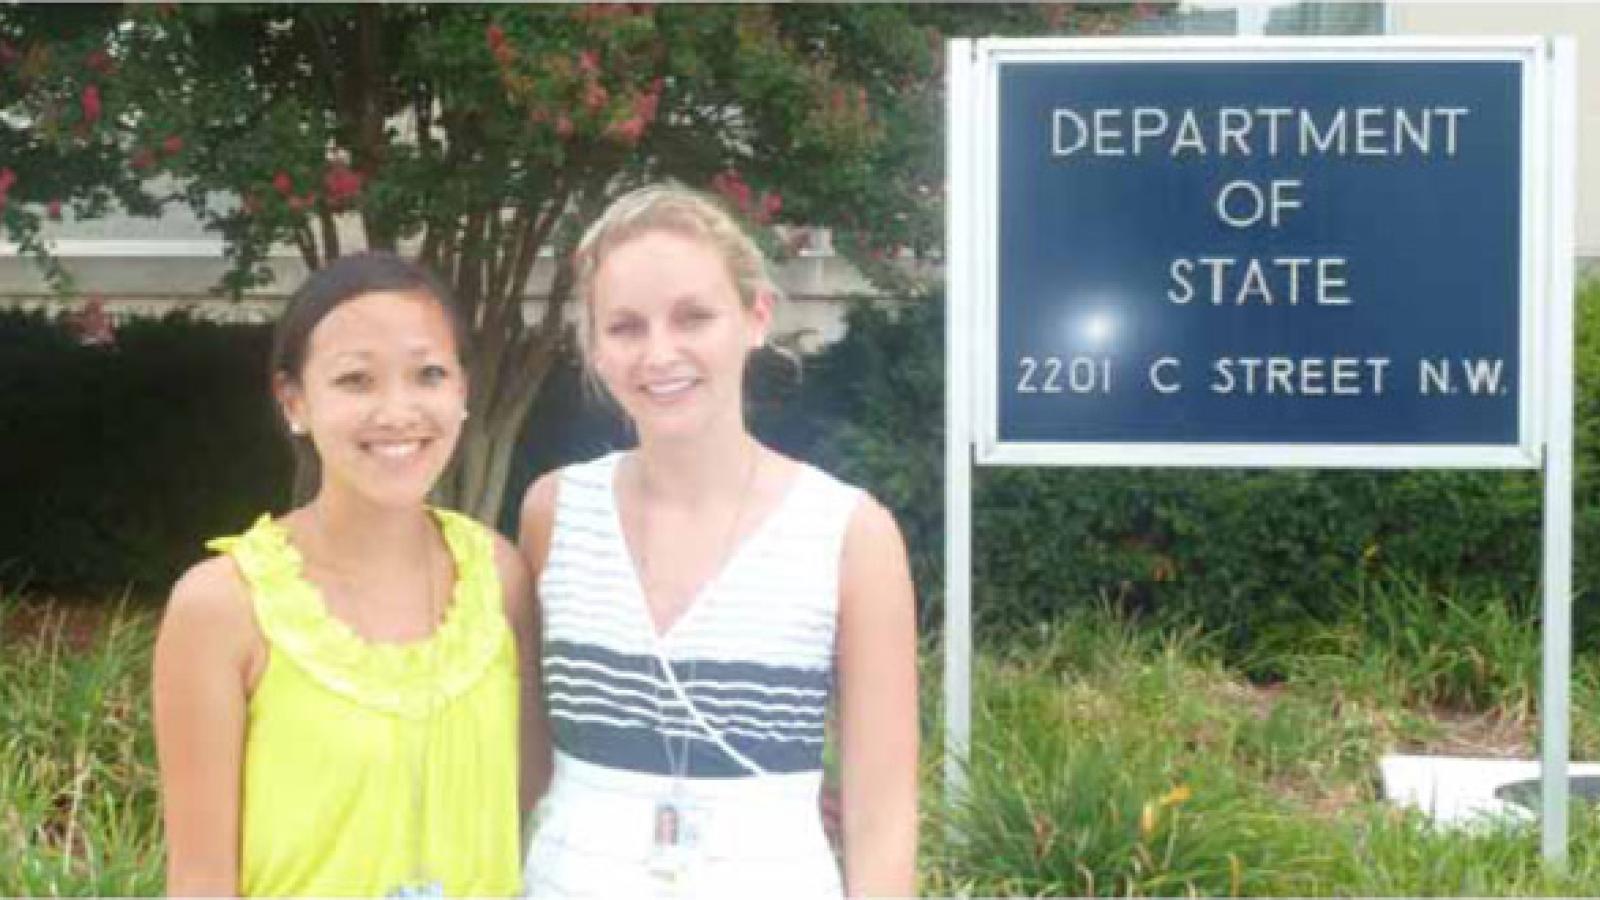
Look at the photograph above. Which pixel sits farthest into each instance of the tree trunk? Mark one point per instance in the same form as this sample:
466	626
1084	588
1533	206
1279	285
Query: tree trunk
476	483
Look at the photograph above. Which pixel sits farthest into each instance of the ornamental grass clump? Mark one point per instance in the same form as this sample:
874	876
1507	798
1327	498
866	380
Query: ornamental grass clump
79	809
1108	760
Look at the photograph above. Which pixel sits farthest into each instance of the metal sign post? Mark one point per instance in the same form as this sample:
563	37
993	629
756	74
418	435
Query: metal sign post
1347	252
1555	687
959	70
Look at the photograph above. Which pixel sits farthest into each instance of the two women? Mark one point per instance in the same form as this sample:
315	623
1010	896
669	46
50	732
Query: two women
705	602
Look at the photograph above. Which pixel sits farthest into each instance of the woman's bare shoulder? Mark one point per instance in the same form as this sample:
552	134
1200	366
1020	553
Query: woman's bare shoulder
211	603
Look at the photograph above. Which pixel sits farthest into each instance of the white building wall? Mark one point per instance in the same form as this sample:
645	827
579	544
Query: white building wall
1580	21
153	278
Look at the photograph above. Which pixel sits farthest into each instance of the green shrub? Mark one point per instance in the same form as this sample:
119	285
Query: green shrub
118	462
1251	554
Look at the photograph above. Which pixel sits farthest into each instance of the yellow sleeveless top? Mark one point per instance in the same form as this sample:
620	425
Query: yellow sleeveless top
369	768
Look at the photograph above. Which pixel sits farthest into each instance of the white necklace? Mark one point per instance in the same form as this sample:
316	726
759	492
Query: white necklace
675	834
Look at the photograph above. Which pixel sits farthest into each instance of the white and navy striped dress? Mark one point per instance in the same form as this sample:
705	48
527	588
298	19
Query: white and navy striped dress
755	654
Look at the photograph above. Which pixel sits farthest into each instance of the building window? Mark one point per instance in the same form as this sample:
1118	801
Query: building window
1284	17
1325	18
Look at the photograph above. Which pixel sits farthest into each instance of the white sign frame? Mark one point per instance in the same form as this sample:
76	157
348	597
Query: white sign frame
992	53
1545	428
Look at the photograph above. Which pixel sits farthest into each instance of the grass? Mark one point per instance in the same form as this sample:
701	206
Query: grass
79	803
1109	758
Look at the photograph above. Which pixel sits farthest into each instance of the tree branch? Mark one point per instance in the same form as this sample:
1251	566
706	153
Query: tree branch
510	256
539	237
432	240
469	270
307	243
366	81
330	232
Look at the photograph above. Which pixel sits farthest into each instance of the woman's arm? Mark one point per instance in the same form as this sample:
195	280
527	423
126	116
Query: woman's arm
533	541
206	656
522	611
877	673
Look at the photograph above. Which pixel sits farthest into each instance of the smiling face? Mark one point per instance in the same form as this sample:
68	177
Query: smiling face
671	334
381	395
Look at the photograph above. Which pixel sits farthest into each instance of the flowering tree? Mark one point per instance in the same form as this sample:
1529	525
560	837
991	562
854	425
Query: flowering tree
478	138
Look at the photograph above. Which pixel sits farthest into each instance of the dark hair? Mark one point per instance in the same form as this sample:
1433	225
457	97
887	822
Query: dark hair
327	289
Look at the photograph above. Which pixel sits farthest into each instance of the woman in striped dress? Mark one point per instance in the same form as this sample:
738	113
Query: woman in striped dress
706	600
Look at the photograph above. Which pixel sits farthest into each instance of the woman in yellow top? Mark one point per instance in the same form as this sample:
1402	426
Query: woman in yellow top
337	700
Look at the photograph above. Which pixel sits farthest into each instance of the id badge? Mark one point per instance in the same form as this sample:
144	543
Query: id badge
675	846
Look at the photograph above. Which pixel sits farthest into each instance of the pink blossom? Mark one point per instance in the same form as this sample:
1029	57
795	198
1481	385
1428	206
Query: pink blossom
771	204
283	183
93	326
628	131
53	210
645	105
730	184
588	61
595	96
91	103
596	12
341	183
495	35
173	144
7	179
563	127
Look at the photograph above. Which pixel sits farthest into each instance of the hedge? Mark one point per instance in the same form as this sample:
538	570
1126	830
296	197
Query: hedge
1239	551
119	461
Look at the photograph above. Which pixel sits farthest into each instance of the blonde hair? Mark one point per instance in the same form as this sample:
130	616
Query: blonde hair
679	210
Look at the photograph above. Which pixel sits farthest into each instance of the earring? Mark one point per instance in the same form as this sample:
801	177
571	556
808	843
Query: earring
297	428
465	414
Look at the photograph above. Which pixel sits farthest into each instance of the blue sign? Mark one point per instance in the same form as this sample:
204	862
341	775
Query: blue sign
1260	252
